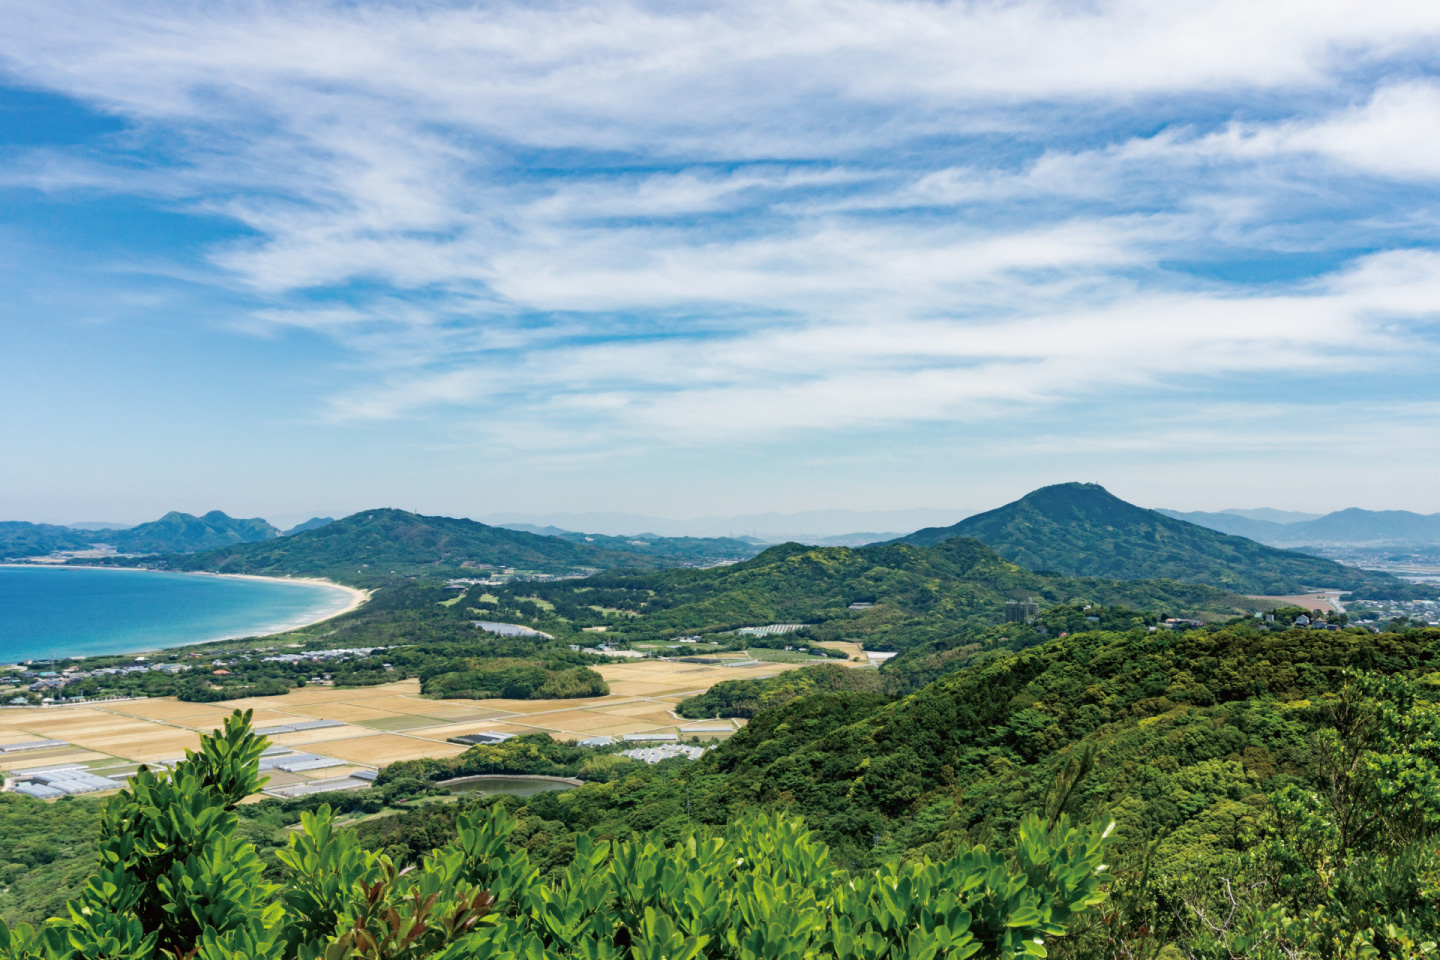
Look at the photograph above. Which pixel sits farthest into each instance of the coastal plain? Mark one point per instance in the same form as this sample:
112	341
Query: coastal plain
378	725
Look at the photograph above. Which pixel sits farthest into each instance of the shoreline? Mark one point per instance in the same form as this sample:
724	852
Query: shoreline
356	599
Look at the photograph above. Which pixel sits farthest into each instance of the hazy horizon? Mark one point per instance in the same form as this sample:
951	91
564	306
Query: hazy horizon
770	525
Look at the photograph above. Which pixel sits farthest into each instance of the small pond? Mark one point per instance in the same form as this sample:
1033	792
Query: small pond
515	786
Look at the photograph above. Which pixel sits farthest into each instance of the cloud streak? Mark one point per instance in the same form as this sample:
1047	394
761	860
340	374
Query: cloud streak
697	223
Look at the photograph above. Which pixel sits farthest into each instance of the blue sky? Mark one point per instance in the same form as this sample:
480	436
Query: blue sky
686	259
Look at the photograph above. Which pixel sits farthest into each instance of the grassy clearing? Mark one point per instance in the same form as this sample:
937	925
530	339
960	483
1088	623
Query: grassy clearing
784	656
613	611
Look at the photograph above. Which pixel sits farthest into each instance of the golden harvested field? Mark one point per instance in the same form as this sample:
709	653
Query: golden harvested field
848	647
381	724
379	749
1310	601
48	758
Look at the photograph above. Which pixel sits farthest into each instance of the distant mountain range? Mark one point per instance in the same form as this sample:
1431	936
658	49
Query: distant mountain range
1271	515
173	533
1072	530
1082	530
181	532
20	539
313	523
736	543
378	542
679	549
826	527
1343	526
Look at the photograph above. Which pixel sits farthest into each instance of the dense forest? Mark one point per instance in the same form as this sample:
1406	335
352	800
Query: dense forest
914	594
1274	790
1247	760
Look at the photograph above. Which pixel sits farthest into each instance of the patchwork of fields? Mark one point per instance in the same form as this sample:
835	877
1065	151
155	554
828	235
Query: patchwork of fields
376	725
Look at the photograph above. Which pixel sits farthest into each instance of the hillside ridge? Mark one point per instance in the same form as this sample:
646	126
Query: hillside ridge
1081	529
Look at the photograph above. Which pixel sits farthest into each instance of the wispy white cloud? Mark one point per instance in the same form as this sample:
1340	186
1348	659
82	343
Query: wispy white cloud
695	222
1395	133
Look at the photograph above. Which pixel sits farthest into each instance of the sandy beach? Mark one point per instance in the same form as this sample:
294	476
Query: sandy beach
356	598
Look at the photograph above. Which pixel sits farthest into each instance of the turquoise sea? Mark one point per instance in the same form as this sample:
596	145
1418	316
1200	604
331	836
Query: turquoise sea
48	611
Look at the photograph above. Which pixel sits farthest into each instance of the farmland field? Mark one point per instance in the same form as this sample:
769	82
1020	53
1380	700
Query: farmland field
377	725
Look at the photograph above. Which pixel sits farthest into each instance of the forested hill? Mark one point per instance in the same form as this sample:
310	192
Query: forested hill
173	533
178	532
1209	749
1081	529
21	539
1232	701
375	543
914	594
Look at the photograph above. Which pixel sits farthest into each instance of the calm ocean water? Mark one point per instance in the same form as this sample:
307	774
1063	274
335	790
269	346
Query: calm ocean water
48	612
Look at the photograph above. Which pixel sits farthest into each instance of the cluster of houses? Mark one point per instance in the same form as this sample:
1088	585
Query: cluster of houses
509	575
1427	611
1316	624
666	746
321	656
51	684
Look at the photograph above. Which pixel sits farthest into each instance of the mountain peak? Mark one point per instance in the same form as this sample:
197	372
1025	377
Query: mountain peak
1083	530
1074	494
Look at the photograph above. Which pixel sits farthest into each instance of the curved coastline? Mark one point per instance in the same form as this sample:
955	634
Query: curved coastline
356	595
337	599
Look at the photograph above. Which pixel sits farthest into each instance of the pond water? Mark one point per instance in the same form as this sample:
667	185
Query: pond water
515	786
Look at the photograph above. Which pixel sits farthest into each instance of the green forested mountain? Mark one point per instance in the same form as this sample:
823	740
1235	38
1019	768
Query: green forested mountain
374	543
313	523
445	538
917	594
1080	529
21	539
1300	766
183	533
173	533
1183	727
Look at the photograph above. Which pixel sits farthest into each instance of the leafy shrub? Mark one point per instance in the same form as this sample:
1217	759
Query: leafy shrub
175	881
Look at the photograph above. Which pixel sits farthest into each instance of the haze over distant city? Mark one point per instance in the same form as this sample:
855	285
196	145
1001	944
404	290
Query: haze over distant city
698	260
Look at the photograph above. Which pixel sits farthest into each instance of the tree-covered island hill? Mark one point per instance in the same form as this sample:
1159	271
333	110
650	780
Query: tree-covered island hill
1271	780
